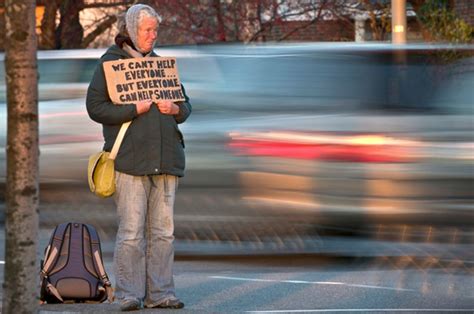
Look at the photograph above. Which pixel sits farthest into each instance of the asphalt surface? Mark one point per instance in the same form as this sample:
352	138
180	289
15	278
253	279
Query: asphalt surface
308	283
289	284
245	273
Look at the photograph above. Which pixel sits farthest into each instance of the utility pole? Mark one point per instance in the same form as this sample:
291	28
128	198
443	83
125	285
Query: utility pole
399	22
399	38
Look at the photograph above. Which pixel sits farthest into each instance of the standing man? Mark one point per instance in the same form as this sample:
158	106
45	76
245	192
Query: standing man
148	164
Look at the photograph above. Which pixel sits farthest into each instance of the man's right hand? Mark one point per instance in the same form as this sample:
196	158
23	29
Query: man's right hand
143	106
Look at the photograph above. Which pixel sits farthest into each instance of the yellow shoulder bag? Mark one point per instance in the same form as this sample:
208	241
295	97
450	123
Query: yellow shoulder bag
101	171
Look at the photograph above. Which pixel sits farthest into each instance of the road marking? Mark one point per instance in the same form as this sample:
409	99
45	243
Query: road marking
311	283
2	262
364	310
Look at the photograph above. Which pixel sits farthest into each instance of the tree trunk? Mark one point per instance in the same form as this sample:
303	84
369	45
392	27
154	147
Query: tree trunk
2	34
70	29
21	219
48	38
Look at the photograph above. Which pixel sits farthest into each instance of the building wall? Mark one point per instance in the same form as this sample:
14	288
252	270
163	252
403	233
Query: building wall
333	30
465	10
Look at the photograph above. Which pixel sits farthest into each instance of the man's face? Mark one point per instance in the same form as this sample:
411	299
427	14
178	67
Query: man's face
147	33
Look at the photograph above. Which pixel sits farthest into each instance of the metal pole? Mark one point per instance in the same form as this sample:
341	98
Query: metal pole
399	22
360	28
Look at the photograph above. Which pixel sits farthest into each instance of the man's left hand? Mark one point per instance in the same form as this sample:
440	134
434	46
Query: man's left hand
167	107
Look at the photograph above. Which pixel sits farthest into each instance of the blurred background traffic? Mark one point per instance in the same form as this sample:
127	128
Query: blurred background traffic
346	147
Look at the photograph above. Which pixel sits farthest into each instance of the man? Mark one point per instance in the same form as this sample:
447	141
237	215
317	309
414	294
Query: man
148	164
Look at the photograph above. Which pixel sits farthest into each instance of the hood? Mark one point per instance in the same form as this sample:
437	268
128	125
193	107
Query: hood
119	53
115	50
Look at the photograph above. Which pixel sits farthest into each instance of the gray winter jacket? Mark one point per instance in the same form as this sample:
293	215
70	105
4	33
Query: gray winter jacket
153	143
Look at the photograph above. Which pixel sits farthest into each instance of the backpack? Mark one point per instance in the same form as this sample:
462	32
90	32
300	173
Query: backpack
72	269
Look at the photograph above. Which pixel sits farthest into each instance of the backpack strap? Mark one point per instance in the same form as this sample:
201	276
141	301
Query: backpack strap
97	256
51	257
52	251
53	291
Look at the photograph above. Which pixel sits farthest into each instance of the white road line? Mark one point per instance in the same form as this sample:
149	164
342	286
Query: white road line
311	283
365	310
2	262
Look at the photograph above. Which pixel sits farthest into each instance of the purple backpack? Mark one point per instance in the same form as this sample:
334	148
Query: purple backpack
72	269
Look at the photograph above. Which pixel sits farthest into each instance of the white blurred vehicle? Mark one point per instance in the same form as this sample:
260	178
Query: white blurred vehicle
295	141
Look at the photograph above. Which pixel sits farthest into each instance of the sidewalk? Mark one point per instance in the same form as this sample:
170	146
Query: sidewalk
81	308
99	308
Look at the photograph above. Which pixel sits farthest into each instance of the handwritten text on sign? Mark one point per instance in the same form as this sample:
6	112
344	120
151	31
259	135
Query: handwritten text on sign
132	80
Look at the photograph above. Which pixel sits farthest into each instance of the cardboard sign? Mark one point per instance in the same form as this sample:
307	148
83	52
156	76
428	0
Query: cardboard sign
132	80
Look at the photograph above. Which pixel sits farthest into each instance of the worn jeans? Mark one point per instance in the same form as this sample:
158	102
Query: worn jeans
144	253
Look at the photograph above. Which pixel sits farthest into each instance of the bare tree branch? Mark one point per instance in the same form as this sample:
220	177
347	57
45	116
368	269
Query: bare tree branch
312	21
108	5
100	28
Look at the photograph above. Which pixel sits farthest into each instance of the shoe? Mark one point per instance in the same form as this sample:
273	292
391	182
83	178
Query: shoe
170	304
130	305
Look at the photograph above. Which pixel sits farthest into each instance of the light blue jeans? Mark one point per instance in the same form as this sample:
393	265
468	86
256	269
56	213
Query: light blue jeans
144	253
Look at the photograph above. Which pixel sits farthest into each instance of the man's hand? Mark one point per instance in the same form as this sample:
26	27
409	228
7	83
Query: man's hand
167	107
143	106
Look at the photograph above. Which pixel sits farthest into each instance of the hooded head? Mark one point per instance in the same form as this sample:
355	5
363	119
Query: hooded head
141	22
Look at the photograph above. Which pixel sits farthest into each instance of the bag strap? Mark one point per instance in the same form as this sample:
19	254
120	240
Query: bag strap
51	257
52	251
119	139
53	291
99	263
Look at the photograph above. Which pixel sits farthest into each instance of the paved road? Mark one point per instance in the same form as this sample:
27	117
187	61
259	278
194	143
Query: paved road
304	283
311	283
314	284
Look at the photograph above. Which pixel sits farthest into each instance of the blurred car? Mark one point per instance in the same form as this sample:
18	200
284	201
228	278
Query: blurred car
293	147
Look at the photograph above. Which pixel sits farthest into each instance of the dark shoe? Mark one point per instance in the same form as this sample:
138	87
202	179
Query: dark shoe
130	305
170	304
